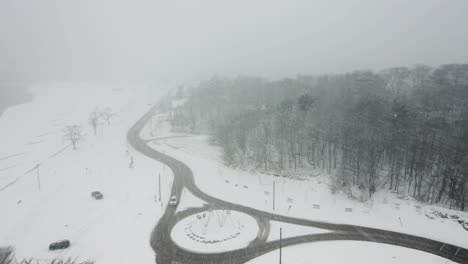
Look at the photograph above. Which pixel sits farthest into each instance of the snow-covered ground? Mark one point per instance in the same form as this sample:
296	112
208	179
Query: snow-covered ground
309	199
188	200
349	252
291	230
115	229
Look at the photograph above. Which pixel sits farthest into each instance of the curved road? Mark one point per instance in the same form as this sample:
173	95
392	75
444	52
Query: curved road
168	252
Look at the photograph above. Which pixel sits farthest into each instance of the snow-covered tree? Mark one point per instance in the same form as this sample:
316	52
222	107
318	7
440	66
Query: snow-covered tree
107	114
73	134
94	119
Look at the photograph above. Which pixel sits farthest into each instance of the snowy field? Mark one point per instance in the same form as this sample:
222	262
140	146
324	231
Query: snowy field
113	230
308	199
349	252
291	230
54	202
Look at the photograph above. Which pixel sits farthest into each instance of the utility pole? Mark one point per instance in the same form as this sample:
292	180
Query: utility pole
38	178
151	124
159	186
274	195
281	241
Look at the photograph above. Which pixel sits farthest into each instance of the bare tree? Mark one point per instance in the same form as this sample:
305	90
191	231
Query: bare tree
94	118
107	114
73	134
402	128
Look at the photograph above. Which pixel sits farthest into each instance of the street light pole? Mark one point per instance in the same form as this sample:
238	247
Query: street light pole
159	186
274	194
280	248
151	124
38	178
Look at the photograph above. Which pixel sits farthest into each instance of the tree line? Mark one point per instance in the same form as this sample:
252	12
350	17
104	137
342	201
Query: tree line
405	129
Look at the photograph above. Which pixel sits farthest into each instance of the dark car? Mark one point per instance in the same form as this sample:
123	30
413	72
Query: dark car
59	245
97	195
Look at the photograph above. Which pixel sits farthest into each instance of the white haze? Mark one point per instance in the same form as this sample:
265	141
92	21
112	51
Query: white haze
147	40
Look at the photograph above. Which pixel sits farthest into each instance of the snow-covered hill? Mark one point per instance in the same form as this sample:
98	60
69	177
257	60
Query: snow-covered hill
308	199
115	229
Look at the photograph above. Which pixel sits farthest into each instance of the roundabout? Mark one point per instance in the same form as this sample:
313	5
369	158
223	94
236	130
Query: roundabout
215	231
169	252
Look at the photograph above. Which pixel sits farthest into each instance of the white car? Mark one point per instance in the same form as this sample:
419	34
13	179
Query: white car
173	200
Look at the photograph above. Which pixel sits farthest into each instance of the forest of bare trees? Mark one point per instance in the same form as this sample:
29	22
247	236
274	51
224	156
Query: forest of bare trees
405	129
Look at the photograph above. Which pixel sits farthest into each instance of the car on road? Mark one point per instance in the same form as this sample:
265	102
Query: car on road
173	201
61	244
97	195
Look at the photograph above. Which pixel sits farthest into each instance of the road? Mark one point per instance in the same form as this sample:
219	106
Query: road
168	252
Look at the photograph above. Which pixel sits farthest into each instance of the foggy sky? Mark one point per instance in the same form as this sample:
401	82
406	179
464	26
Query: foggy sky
46	40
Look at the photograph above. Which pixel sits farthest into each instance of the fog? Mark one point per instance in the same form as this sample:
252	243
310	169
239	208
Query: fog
154	40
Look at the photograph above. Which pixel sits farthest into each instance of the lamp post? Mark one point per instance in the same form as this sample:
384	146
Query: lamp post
274	194
280	248
159	174
38	178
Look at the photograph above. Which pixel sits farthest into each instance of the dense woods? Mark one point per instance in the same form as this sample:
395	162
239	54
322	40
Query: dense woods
405	129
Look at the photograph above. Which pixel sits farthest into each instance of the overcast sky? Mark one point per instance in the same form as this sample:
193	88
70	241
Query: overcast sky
150	39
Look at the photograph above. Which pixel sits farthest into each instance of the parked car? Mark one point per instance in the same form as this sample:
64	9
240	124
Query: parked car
59	245
173	201
97	195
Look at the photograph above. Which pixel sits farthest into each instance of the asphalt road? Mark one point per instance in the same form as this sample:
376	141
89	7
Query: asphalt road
168	252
